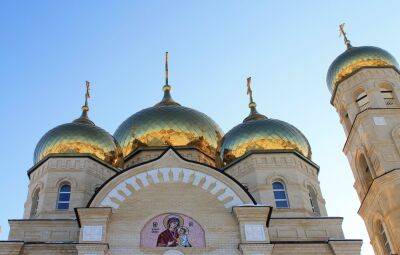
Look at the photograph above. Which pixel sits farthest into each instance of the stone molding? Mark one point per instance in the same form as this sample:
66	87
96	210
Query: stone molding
346	247
11	247
170	169
92	248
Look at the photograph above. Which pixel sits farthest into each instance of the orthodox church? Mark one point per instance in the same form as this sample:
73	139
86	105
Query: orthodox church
170	182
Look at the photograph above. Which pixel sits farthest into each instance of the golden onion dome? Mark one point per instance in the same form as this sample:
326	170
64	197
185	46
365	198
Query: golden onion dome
258	133
81	136
169	124
354	59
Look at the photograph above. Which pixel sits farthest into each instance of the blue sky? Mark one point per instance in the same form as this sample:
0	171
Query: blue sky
49	48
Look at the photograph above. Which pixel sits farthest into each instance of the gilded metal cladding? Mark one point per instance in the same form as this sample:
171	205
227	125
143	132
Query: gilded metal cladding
79	137
169	124
262	135
355	58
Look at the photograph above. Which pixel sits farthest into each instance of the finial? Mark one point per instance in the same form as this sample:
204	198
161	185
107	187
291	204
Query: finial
344	34
167	99
254	115
166	86
252	104
166	68
85	107
84	119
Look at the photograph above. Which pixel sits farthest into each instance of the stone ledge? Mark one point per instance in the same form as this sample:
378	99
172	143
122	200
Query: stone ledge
10	247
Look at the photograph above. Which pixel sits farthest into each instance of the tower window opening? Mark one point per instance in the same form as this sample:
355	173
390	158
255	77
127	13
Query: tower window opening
362	101
313	201
384	240
280	195
365	171
35	203
64	195
388	96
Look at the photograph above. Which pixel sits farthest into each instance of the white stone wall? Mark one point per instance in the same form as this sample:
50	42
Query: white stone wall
83	174
259	171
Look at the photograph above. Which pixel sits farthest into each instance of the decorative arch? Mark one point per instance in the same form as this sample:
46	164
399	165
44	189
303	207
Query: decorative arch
66	180
276	177
223	191
38	185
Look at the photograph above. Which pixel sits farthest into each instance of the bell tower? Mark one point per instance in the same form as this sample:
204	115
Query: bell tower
365	86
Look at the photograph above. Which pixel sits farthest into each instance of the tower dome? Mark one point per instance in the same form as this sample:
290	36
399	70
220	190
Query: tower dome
354	59
81	136
259	133
169	124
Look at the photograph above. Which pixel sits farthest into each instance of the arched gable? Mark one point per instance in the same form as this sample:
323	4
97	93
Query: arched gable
170	168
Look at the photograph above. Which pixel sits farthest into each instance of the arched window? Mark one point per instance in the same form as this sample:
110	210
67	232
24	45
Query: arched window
35	203
365	172
362	101
384	239
313	200
64	195
280	195
388	96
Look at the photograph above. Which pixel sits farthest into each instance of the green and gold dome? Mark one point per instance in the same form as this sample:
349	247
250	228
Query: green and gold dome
258	133
169	124
354	59
81	136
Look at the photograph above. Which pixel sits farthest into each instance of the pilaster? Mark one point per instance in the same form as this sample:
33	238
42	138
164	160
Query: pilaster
93	230
253	223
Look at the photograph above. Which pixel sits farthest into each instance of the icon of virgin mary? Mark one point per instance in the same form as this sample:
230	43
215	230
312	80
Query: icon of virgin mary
169	237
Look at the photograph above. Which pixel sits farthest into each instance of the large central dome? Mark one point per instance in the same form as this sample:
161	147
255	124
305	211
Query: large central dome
169	124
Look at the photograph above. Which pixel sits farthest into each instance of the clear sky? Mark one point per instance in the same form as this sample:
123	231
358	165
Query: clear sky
49	48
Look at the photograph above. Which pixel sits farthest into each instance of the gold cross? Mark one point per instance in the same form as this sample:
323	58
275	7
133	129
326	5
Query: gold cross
344	34
87	95
249	90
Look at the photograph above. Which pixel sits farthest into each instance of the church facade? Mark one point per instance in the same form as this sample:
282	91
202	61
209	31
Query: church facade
170	182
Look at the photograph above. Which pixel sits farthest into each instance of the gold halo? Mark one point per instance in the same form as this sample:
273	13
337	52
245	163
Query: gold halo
166	218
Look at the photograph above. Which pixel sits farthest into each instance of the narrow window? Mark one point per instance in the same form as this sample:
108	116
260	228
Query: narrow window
64	195
365	171
280	195
362	101
313	201
388	96
384	240
35	203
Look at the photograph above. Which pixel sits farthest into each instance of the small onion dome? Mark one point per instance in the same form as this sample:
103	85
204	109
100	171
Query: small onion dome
354	59
258	133
169	124
81	136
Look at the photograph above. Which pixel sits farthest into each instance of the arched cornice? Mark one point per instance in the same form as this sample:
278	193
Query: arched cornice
170	168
